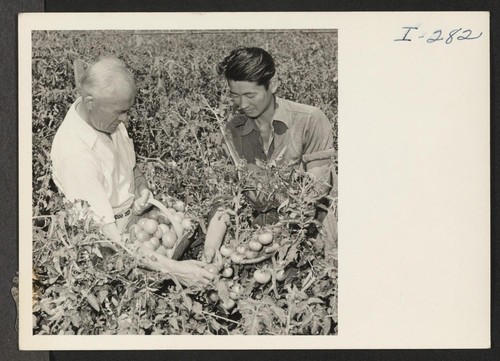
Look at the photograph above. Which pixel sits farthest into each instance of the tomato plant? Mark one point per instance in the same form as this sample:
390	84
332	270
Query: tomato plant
81	287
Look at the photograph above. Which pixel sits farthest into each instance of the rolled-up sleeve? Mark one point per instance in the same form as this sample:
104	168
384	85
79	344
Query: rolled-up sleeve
318	138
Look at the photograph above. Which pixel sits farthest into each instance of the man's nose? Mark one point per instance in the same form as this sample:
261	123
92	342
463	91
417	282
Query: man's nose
243	103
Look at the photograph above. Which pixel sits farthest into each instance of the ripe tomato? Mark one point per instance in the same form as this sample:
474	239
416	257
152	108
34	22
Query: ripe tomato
153	214
169	238
251	254
179	206
147	247
225	251
228	272
255	246
280	275
236	257
213	296
262	276
212	268
155	242
164	228
237	288
162	219
141	222
162	250
142	236
265	238
241	249
159	233
179	218
272	248
187	223
151	226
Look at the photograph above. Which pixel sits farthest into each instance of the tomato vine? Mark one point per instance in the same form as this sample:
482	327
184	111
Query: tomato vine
81	288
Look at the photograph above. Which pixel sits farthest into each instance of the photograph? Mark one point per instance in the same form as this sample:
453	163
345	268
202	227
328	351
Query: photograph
261	181
185	182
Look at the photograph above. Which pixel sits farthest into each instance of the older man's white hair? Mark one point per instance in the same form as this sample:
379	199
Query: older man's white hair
106	78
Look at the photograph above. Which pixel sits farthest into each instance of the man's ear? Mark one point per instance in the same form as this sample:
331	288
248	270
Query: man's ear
274	84
88	101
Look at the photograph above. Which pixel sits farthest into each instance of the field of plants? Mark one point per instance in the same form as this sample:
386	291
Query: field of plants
78	288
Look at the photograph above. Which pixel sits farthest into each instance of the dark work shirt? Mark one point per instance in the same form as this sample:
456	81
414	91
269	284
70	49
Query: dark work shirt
299	130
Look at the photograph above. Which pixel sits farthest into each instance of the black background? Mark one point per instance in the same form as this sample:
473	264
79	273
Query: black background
9	170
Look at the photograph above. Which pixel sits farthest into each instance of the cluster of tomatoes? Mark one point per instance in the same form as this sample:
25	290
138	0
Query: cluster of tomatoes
261	245
158	233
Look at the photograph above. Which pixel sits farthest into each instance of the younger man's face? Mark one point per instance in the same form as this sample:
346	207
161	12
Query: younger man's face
253	99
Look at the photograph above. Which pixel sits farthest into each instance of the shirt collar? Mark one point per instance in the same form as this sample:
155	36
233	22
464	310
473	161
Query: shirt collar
281	114
88	134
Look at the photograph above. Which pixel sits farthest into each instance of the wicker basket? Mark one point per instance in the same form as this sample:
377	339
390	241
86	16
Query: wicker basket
184	239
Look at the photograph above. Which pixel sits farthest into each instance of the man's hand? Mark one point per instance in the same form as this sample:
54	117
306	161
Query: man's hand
208	255
212	255
191	273
141	203
215	234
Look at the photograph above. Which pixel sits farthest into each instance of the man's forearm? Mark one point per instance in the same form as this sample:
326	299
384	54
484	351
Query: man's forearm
110	230
216	230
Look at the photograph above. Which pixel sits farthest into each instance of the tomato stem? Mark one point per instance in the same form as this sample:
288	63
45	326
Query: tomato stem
275	289
222	318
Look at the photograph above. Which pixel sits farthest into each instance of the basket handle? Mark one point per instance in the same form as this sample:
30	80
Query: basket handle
177	227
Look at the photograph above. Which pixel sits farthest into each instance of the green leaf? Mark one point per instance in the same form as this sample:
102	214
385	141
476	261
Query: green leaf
92	300
173	322
97	252
102	294
313	300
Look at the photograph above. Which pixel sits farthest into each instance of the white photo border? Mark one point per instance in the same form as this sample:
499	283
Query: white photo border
398	283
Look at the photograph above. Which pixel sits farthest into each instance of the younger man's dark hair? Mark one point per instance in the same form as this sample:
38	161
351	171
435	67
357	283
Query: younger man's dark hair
248	64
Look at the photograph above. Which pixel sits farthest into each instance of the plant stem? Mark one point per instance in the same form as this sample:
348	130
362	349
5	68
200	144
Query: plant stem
275	289
308	284
306	280
202	152
254	318
222	318
158	160
229	145
47	216
289	314
237	218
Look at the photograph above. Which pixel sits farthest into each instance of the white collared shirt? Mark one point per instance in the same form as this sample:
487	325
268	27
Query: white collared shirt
88	165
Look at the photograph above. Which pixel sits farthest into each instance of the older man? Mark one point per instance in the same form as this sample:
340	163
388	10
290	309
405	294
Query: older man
94	160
